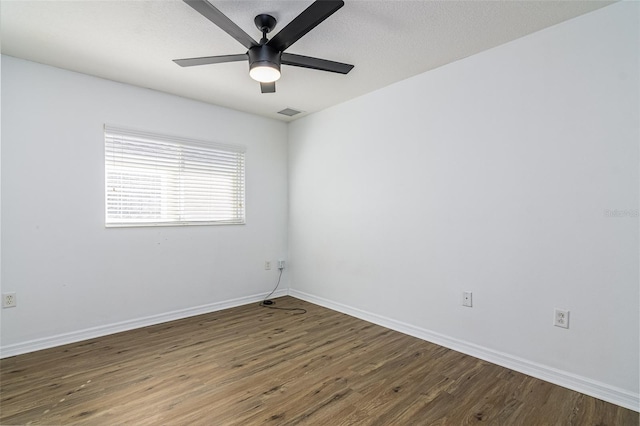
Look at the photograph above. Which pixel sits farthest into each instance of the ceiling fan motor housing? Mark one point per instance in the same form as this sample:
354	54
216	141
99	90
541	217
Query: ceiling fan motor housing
264	55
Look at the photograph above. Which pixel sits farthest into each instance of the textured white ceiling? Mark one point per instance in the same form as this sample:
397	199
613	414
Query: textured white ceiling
135	41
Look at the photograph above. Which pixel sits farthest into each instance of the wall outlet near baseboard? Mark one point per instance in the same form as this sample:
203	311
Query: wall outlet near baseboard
267	265
9	300
281	264
561	318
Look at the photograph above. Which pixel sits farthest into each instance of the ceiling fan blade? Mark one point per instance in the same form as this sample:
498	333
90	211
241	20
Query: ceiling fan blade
206	60
210	12
305	22
315	63
268	87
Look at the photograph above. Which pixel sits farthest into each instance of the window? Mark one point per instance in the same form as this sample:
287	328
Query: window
154	180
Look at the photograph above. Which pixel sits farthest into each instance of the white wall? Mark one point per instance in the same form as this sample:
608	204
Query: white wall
73	277
492	175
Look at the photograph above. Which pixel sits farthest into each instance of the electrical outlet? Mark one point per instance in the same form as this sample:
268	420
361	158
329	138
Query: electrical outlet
267	265
281	264
561	318
466	299
9	300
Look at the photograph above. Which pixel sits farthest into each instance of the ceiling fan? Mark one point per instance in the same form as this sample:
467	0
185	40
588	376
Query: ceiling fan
266	56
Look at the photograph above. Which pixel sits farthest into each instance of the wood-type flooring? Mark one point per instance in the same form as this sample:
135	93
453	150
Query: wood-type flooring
252	365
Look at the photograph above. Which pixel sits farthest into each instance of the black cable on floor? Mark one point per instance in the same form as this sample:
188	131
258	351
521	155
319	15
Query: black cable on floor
266	303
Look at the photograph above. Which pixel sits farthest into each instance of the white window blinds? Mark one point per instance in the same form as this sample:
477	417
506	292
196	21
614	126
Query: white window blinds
155	180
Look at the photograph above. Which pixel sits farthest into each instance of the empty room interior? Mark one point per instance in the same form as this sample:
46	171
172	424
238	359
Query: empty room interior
431	217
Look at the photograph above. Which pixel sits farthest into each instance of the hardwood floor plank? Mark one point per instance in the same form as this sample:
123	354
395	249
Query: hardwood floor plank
255	366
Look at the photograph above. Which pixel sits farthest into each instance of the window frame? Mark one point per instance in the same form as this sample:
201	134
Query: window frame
174	176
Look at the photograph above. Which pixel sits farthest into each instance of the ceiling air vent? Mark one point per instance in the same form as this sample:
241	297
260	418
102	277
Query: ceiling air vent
289	112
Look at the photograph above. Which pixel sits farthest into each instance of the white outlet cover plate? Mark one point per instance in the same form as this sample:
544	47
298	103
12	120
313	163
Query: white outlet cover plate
9	300
561	318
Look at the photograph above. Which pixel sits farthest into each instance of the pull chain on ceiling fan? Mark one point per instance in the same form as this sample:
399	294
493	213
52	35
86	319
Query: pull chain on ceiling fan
266	56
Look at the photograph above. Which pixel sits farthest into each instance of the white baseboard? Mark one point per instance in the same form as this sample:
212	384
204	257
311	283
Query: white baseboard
103	330
565	379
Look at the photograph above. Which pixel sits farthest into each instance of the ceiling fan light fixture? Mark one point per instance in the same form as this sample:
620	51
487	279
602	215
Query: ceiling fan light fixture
264	72
264	63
